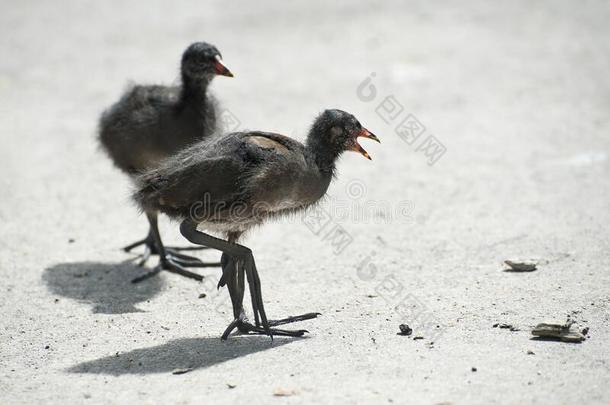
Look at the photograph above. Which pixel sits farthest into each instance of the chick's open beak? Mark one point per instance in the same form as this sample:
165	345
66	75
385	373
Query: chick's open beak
220	67
365	133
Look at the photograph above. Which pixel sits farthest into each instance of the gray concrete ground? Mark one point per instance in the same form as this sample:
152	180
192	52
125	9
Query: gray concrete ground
519	96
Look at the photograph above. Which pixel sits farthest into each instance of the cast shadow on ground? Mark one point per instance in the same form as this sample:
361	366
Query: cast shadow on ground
106	286
188	353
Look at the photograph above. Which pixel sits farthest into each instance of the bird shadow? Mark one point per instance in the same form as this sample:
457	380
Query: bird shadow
106	286
180	354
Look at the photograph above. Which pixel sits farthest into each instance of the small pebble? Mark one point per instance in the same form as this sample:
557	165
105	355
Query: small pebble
521	266
506	326
562	332
405	330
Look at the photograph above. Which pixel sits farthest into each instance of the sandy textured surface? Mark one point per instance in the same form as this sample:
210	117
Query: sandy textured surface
518	95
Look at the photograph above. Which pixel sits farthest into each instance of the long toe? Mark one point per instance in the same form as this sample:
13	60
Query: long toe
144	256
186	248
168	264
270	331
134	245
173	267
245	327
181	258
234	324
188	261
291	319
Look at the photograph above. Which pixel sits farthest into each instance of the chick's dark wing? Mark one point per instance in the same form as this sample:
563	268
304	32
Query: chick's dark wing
210	181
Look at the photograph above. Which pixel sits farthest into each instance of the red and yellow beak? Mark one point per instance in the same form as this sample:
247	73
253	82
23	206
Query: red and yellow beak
220	67
365	133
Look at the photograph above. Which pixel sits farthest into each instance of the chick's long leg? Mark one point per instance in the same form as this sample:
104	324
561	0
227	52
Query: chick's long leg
235	263
235	284
168	261
150	248
237	274
243	262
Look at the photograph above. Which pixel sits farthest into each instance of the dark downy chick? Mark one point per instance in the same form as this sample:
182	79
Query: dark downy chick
151	123
232	183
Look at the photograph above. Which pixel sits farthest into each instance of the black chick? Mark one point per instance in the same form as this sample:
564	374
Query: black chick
232	183
150	123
